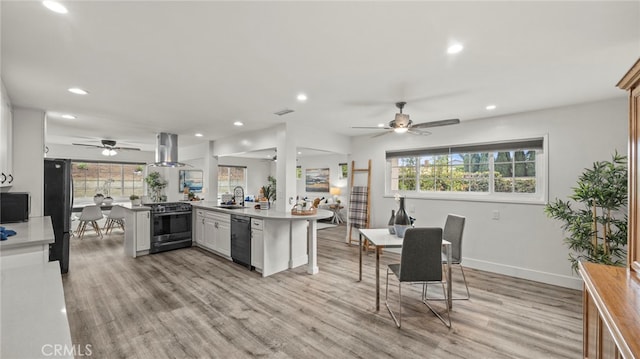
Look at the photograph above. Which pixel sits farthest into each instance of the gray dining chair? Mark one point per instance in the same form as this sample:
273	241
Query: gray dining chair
453	232
420	262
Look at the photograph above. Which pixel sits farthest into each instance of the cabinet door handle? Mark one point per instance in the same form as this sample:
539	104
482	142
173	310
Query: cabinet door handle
4	178
216	225
10	178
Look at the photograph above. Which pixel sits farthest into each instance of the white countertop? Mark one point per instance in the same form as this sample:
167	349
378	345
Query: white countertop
38	230
33	312
261	213
134	208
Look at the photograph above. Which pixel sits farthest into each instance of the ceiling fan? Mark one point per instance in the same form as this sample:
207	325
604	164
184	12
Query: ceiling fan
109	147
402	123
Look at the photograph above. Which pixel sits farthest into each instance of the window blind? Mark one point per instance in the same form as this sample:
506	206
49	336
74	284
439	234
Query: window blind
527	144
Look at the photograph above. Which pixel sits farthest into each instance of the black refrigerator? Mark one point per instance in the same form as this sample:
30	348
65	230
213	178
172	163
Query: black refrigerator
58	201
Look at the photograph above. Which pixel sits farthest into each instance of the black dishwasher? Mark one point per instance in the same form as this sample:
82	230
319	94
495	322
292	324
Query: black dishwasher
241	240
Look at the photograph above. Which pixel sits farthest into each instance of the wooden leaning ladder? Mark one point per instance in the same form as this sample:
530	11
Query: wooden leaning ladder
355	170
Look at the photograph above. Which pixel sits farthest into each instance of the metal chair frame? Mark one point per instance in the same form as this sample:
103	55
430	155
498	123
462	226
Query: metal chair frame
414	234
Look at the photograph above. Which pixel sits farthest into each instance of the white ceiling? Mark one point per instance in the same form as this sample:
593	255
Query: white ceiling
187	67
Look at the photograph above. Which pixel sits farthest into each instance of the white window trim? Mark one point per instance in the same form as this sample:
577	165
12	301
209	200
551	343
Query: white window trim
541	197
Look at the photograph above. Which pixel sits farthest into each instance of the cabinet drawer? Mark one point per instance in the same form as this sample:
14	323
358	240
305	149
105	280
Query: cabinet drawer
200	212
217	216
257	224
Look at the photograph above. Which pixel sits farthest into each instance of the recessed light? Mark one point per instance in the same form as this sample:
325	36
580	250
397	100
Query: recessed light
299	152
302	97
454	49
78	91
381	125
199	135
55	7
68	117
491	107
238	123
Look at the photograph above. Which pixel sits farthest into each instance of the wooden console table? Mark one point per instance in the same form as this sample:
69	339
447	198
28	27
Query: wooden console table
611	311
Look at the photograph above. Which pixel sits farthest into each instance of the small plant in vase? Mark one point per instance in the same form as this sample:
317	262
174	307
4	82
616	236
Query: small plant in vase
98	198
135	200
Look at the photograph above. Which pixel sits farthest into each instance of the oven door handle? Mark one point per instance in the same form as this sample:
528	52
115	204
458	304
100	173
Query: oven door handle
161	214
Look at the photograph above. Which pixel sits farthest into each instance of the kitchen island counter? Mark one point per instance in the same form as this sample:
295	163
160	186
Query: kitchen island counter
290	233
262	213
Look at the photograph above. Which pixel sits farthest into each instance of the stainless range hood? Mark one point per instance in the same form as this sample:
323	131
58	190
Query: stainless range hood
167	150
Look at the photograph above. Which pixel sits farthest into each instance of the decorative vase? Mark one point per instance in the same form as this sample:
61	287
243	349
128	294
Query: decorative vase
392	222
402	221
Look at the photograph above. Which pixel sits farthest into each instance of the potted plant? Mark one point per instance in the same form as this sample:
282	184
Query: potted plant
135	200
98	198
156	184
598	226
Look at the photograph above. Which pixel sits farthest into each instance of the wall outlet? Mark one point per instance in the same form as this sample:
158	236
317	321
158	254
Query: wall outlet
495	215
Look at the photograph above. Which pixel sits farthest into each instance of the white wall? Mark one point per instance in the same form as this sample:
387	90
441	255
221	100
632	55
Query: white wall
28	156
257	171
523	242
328	161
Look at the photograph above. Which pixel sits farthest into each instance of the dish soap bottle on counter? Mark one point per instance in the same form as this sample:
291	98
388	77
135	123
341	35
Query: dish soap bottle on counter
402	221
392	221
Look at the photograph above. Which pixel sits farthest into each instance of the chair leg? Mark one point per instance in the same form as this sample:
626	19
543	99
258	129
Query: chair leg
78	229
464	278
386	302
424	301
96	227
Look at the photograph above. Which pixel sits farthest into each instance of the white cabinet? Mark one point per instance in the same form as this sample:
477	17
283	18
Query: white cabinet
257	244
198	227
6	142
222	239
143	231
213	231
137	232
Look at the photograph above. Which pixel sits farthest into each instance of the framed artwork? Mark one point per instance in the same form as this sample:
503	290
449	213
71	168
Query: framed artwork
317	180
298	172
191	179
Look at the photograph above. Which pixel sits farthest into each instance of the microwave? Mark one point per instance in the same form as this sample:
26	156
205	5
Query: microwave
14	207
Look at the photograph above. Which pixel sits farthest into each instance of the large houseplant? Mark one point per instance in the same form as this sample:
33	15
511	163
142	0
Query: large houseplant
598	223
156	184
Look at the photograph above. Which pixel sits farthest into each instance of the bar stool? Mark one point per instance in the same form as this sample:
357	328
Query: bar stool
115	218
90	214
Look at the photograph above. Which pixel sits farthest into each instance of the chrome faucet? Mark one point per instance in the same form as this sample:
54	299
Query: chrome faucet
238	192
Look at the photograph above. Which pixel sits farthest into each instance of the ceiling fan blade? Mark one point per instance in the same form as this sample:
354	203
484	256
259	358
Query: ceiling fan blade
82	144
452	121
373	127
126	148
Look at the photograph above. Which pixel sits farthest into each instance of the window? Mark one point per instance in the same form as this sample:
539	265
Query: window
507	170
230	177
113	179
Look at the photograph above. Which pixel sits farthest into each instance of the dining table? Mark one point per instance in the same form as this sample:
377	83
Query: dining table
381	238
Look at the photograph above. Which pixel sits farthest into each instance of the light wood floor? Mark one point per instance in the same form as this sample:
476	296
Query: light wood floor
191	304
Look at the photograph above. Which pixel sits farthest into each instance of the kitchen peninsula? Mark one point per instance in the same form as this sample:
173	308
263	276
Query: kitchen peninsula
279	240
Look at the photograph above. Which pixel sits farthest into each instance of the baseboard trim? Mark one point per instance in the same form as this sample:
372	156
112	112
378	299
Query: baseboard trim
524	273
